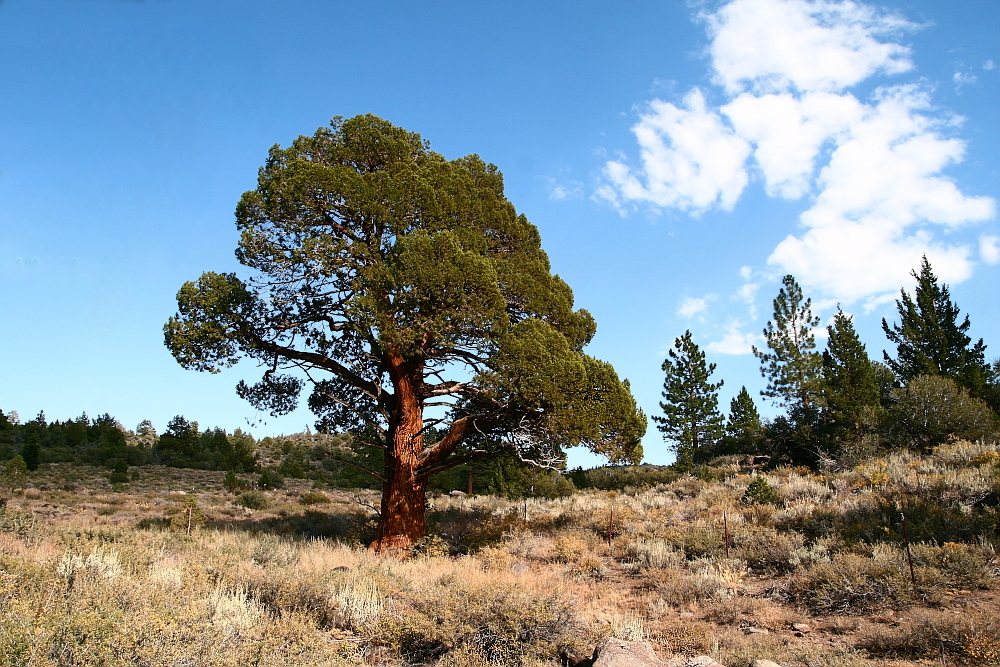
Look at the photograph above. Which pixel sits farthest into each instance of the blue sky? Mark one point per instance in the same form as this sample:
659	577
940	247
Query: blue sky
678	158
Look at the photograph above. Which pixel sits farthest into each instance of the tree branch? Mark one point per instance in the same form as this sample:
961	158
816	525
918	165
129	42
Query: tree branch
359	467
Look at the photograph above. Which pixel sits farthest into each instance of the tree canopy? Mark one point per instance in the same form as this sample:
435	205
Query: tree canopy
691	422
389	280
930	339
793	368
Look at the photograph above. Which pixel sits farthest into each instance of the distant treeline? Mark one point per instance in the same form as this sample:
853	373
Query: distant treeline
103	441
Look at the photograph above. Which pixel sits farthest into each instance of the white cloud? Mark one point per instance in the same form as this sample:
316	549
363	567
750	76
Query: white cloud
779	45
788	133
747	293
989	248
563	190
734	341
962	79
690	160
880	189
872	170
691	306
989	65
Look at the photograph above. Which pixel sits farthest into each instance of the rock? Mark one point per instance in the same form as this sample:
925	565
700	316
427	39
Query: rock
341	568
764	663
756	631
701	661
620	653
687	614
801	627
456	493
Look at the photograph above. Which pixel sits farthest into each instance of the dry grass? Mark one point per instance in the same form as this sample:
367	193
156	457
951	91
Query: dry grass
95	575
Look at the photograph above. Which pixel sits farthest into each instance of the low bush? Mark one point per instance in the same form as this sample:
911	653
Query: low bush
491	624
254	500
314	498
972	636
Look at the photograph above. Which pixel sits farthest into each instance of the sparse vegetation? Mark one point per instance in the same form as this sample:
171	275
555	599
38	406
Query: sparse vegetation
95	573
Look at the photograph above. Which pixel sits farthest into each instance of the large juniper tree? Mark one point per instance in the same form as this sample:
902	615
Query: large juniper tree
389	280
930	339
691	422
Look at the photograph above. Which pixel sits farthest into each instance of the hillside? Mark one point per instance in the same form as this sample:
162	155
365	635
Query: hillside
170	568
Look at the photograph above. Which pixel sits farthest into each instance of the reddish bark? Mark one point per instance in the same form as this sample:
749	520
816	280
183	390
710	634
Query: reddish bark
403	519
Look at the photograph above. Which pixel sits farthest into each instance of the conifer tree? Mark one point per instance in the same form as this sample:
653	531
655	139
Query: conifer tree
743	430
691	421
851	384
930	340
389	281
793	368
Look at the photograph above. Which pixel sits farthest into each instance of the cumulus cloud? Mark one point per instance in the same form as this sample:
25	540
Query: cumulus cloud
788	133
690	160
871	170
777	45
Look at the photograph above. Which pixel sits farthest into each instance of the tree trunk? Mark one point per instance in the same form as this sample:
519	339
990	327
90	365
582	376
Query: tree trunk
403	519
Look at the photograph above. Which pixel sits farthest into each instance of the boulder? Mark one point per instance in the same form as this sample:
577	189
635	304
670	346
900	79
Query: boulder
621	653
764	663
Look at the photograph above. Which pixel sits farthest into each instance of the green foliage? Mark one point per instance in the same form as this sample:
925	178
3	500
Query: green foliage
377	269
270	479
743	432
618	478
119	474
16	474
851	385
231	482
254	500
314	498
510	478
932	408
930	340
793	368
188	518
30	453
759	492
691	421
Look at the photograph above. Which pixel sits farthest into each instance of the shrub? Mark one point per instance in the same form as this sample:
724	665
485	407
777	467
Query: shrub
231	482
931	409
759	492
314	498
188	518
254	500
492	624
973	636
849	584
270	479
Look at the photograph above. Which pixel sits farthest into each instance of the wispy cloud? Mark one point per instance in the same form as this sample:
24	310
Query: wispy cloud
563	190
871	170
691	306
989	248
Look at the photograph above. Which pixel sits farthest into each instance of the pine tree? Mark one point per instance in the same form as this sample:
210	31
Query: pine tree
930	340
691	421
851	385
793	368
743	430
